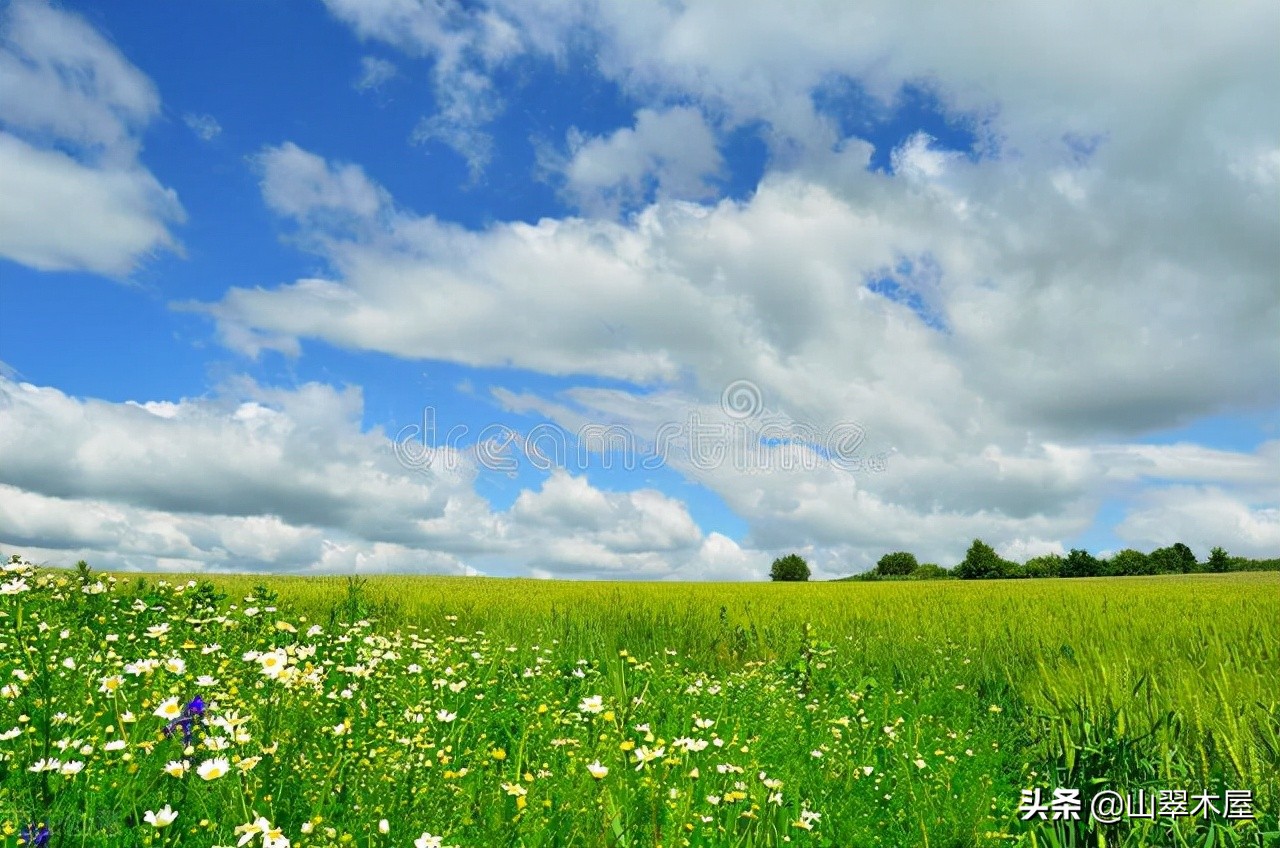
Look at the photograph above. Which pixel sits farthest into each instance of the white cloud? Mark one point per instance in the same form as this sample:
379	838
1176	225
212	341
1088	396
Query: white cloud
302	185
672	149
466	102
1205	517
73	195
58	214
642	520
1005	421
206	127
464	44
260	479
918	159
374	73
1021	550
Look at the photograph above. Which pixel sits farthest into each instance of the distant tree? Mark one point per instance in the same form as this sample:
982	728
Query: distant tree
981	563
1045	565
1130	562
790	568
1186	559
898	563
930	571
1219	561
1081	563
1175	559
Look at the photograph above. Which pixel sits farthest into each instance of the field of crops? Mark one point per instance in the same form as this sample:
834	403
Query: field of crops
479	712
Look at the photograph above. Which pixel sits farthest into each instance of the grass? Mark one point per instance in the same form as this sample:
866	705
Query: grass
533	713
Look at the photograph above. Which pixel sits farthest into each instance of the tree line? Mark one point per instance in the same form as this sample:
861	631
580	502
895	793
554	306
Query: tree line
981	562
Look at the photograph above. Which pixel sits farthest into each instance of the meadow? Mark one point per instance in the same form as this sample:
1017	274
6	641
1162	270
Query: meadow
431	712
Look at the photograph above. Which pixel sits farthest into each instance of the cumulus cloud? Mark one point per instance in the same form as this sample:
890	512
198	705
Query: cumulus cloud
262	479
1004	412
73	195
669	153
1205	517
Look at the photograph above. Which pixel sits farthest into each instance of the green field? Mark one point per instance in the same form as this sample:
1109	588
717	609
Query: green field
494	712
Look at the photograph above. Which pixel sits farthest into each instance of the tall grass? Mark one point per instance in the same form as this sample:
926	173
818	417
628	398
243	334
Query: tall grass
846	713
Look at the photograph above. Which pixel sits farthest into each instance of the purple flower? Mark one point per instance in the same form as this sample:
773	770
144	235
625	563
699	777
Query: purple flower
34	834
191	714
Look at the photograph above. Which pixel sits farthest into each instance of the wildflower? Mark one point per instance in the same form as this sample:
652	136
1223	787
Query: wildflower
35	835
384	826
169	709
71	768
426	840
214	768
274	663
597	771
160	818
920	763
175	665
446	716
644	756
175	768
111	684
807	818
593	704
272	837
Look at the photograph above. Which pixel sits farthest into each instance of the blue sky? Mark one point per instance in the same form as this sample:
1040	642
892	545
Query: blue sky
243	247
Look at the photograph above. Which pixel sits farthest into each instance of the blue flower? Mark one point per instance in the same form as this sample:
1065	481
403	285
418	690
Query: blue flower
191	714
34	834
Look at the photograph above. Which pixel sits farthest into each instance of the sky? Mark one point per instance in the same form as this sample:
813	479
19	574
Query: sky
615	290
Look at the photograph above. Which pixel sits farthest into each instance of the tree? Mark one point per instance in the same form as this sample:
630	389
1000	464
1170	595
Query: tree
930	571
1219	561
1175	559
1045	565
981	563
791	567
1081	563
898	563
1130	562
